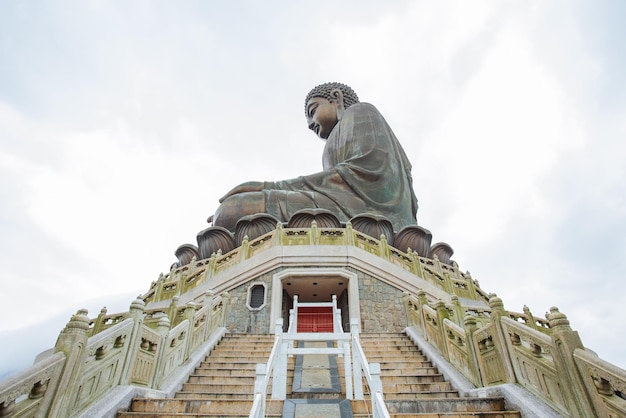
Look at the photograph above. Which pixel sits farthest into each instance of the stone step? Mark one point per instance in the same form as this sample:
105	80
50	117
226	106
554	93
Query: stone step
410	388
246	372
215	396
247	379
412	371
230	364
403	364
200	406
378	357
488	414
387	342
238	386
252	355
183	415
393	349
428	378
436	406
224	380
404	396
252	346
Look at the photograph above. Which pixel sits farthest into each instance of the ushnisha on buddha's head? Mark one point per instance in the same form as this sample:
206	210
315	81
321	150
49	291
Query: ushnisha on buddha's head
324	106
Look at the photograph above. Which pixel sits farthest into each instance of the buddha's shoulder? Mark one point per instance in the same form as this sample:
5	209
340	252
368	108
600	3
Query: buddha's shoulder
362	107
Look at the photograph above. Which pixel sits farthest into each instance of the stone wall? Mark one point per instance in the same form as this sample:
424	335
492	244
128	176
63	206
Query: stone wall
239	318
381	305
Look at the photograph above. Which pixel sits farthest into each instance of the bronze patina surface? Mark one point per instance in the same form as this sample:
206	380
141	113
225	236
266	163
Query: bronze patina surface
365	168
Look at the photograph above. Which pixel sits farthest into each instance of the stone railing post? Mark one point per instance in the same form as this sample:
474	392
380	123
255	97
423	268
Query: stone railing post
171	310
423	300
470	284
500	338
459	312
163	329
418	268
530	319
244	250
442	313
225	303
208	324
73	342
136	312
279	235
190	313
158	288
98	324
565	341
314	237
383	248
470	327
349	234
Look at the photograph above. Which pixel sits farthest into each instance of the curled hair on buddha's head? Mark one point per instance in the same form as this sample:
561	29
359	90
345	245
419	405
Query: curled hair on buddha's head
325	91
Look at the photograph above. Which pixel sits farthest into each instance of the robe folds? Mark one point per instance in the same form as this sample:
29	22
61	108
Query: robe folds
365	170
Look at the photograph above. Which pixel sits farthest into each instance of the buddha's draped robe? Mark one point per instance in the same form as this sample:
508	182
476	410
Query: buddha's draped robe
365	170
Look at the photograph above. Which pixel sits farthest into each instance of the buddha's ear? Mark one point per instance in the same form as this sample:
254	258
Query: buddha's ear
337	96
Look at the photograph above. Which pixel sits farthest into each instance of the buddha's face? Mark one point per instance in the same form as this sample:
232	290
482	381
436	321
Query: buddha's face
321	116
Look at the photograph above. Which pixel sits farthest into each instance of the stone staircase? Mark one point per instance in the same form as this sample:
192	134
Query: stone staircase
413	387
223	385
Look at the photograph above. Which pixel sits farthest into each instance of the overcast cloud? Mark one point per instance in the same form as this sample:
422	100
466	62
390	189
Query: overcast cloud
122	123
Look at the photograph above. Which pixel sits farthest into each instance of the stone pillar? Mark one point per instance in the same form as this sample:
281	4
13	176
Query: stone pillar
565	341
163	329
136	312
208	325
171	310
442	313
459	311
470	327
225	305
73	342
190	313
99	322
423	300
500	338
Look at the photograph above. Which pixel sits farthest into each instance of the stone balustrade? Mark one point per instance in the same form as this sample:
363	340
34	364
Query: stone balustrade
93	357
182	279
546	357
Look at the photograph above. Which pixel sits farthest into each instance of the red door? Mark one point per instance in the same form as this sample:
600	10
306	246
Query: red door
315	319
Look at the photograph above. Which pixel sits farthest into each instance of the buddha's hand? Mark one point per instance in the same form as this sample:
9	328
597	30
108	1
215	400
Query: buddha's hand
249	186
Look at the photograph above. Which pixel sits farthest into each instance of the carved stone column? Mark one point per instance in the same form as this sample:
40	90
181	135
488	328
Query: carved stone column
565	341
73	342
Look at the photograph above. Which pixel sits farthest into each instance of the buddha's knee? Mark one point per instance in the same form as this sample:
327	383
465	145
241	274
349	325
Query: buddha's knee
237	206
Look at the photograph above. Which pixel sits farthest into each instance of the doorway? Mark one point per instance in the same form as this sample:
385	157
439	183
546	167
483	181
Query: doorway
315	285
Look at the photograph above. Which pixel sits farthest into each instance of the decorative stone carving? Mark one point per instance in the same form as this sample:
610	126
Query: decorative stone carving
443	251
414	237
373	225
185	253
253	226
213	239
305	217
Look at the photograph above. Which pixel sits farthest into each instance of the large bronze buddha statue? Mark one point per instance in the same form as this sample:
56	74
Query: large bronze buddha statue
365	170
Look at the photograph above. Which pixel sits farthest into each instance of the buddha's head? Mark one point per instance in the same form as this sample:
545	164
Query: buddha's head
325	104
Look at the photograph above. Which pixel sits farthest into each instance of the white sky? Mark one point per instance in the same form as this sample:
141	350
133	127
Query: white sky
123	122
